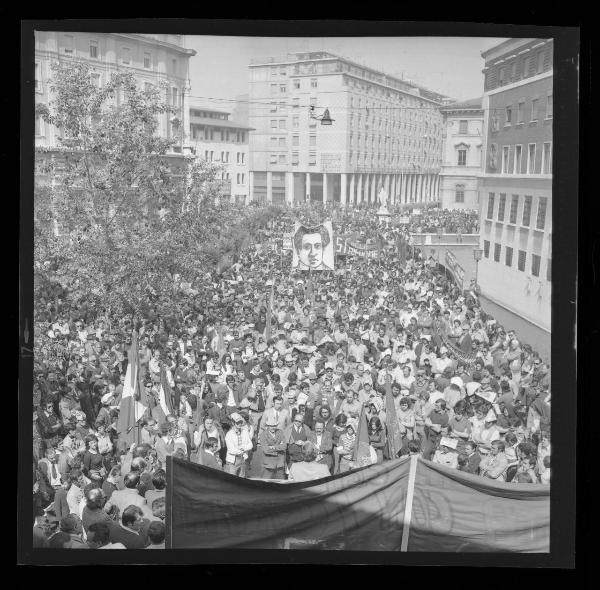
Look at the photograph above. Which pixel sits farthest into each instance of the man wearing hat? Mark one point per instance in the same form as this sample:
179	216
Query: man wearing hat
238	443
273	447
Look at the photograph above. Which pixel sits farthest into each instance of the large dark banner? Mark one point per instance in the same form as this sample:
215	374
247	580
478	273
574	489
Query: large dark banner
366	509
456	511
359	510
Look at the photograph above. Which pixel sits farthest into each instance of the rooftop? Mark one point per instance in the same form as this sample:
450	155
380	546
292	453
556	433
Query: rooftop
207	121
471	103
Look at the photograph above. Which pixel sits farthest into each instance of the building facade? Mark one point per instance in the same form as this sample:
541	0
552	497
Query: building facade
214	137
516	185
152	59
386	132
463	145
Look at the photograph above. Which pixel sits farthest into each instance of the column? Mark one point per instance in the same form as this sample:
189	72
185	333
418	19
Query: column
324	188
359	190
352	195
289	188
307	186
269	187
393	193
374	189
387	184
343	188
251	187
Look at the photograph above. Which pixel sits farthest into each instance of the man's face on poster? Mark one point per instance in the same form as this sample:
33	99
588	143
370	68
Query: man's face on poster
311	251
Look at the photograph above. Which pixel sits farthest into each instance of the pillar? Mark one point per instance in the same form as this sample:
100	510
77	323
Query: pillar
352	195
359	190
374	189
387	184
269	187
289	188
343	189
393	193
307	185
251	186
324	188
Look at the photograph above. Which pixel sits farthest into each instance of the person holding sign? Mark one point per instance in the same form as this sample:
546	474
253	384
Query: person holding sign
310	245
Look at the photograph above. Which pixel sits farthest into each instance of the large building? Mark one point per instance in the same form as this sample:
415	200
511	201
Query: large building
516	185
461	165
386	132
216	138
152	58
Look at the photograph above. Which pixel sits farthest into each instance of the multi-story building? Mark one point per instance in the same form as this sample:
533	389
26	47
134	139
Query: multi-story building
152	58
214	137
461	165
516	185
386	132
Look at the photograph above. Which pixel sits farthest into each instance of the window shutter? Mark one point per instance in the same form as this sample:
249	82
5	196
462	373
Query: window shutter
547	59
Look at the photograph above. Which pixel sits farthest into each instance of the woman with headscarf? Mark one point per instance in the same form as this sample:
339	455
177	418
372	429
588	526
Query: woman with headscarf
375	409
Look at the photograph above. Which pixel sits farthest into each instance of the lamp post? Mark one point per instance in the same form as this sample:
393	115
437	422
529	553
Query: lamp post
477	255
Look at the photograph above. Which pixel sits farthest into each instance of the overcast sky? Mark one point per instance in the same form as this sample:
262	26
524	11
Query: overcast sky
449	65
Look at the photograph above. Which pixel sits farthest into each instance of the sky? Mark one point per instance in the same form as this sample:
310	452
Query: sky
448	65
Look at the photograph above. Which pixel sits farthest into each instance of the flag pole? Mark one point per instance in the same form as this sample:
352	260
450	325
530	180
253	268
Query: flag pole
409	501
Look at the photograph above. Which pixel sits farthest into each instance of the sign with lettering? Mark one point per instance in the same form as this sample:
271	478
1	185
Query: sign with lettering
455	269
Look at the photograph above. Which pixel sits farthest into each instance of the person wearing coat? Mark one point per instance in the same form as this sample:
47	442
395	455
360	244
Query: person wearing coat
273	448
294	436
323	441
208	456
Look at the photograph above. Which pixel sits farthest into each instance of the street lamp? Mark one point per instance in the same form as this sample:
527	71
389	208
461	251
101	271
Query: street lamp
325	118
477	255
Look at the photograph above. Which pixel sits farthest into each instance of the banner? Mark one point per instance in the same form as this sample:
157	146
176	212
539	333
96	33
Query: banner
405	504
313	247
455	269
456	511
350	244
356	510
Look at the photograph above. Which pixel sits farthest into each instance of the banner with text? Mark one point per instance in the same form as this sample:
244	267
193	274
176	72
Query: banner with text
455	269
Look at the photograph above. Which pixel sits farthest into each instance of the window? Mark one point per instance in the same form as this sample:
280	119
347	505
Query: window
549	106
459	193
295	158
462	157
541	213
282	141
243	177
508	254
463	127
313	82
486	248
274	88
295	140
522	260
147	60
513	71
273	159
518	159
508	116
312	158
535	265
282	71
501	76
497	248
501	207
534	109
514	205
531	159
527	211
540	62
68	40
295	103
296	84
505	158
174	66
273	142
283	88
295	122
312	140
94	49
273	108
282	158
39	126
490	211
547	158
282	124
521	113
174	97
126	55
273	123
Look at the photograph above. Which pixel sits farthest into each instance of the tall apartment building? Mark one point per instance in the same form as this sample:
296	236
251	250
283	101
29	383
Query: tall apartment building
214	137
152	58
386	132
516	186
463	144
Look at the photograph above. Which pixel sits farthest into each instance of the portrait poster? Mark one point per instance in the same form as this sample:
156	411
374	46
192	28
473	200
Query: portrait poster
313	247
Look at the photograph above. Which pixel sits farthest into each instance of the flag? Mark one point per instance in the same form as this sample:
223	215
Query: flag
269	313
165	394
133	399
362	449
394	438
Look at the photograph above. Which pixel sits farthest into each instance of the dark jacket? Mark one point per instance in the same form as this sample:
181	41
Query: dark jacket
208	460
274	457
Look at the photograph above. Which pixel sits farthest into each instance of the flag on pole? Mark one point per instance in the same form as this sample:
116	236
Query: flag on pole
269	313
133	399
394	437
165	393
362	449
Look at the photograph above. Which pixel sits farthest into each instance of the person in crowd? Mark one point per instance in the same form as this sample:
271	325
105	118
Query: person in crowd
345	448
494	464
99	536
132	530
156	535
238	443
308	469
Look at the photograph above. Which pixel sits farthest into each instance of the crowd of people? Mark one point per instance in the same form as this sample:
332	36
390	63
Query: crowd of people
452	221
269	374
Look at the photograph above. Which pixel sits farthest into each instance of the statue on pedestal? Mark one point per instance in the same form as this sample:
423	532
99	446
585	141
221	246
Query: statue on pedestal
383	212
